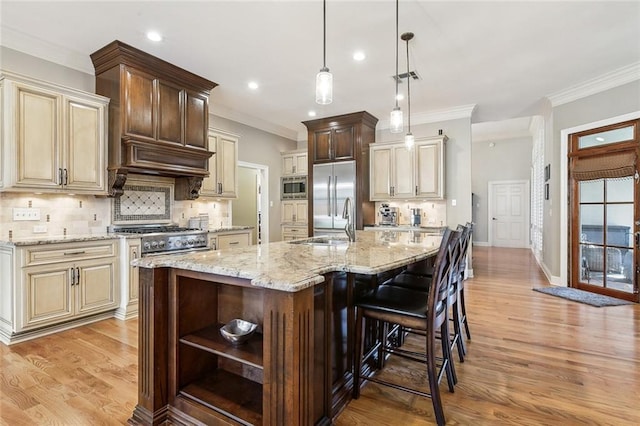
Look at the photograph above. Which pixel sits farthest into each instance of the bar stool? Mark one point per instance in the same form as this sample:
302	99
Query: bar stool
422	283
415	310
427	271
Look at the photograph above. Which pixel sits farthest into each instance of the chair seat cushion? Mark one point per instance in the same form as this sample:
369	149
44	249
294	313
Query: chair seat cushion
396	300
412	282
420	269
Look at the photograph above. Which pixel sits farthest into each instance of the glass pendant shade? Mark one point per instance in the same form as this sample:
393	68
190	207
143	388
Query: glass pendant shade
395	120
324	87
409	140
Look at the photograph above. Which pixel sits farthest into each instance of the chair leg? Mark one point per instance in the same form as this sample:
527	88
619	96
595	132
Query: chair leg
434	388
457	331
447	358
464	313
383	331
357	363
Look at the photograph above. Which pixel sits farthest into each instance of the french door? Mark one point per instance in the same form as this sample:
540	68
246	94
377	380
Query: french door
605	214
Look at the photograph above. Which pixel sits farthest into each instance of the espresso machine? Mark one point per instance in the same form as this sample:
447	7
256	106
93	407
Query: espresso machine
388	215
416	216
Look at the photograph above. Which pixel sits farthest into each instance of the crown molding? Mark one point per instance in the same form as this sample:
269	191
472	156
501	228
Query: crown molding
44	49
599	84
455	113
251	121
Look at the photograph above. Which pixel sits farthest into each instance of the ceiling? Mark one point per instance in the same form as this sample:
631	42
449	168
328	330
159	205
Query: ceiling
498	59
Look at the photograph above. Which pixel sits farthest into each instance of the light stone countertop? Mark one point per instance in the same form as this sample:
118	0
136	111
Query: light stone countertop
293	267
55	239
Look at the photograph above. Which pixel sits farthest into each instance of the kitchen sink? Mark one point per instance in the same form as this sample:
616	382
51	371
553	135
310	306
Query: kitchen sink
321	241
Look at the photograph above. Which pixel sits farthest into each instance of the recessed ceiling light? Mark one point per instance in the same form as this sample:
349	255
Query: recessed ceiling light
600	139
311	113
359	56
252	85
154	36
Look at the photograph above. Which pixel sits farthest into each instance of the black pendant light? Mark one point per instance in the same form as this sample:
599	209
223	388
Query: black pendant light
395	118
409	140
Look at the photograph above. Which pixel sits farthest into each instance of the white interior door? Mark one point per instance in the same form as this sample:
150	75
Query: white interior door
509	214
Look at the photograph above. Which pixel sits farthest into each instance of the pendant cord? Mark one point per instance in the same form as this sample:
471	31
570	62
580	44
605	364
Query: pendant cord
324	34
408	89
397	36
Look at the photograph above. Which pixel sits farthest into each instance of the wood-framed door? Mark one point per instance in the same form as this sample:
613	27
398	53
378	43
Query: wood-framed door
604	210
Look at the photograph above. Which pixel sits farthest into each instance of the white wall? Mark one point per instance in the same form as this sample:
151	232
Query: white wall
508	159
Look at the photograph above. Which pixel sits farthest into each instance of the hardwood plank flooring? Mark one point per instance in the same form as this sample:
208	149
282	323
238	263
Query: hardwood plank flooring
534	359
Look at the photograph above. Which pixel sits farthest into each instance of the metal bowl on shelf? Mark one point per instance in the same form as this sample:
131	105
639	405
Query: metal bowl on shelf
238	331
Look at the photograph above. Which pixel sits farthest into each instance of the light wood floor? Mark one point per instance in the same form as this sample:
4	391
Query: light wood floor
534	360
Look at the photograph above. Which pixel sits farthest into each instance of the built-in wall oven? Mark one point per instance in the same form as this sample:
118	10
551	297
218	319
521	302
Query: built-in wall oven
293	187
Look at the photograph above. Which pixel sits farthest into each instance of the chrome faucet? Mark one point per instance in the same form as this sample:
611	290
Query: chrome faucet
348	213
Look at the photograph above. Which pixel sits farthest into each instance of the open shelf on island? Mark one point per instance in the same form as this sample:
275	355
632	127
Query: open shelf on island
210	340
229	394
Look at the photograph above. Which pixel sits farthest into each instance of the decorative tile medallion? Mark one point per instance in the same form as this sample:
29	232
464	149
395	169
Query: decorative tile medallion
143	203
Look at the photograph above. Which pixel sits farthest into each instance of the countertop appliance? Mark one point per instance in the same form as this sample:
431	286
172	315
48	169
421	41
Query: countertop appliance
416	219
388	215
165	239
332	184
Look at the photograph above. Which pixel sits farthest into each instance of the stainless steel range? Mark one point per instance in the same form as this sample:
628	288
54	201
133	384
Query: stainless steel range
165	239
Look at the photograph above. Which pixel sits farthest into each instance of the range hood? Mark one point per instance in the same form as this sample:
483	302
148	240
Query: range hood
158	118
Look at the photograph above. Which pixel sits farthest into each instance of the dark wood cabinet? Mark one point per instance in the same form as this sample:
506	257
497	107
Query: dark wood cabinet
344	138
158	117
337	144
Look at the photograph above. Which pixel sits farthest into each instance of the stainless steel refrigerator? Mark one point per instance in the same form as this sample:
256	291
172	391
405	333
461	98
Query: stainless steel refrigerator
332	184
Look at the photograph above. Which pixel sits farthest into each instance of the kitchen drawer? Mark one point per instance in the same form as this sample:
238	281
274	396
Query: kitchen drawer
71	252
233	240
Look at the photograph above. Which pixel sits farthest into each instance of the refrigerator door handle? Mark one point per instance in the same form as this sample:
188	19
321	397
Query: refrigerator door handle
335	195
329	197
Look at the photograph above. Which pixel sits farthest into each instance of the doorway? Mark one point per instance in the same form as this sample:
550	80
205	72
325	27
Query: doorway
509	213
604	209
251	206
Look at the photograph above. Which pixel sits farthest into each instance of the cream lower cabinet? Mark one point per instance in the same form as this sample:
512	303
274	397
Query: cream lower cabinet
129	281
399	173
294	212
54	138
223	166
225	241
54	287
294	232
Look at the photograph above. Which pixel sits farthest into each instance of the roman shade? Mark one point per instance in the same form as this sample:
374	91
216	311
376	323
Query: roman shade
604	166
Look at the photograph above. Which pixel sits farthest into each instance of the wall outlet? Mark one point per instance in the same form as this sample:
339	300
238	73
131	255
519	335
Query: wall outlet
26	214
40	229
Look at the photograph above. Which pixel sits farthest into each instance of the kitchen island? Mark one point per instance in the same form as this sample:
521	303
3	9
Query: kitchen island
297	368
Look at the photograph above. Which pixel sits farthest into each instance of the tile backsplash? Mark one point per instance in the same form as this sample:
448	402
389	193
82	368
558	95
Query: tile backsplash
434	213
86	214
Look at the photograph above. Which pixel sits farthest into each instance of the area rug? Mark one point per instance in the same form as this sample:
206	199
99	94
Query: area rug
582	296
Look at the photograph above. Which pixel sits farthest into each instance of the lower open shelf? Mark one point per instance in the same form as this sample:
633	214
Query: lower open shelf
229	394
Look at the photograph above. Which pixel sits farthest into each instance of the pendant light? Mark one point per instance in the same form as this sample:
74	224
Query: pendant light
396	119
324	79
408	138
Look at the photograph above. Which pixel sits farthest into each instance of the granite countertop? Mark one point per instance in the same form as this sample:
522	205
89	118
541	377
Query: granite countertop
231	228
54	239
293	267
404	228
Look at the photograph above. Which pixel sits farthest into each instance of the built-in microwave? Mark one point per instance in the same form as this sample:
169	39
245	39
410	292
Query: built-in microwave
293	187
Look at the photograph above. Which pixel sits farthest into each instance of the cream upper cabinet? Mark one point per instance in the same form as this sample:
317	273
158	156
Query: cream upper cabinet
294	212
399	173
223	166
429	163
294	163
54	138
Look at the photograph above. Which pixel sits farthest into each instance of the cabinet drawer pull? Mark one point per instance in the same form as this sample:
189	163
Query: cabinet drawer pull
71	253
234	242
